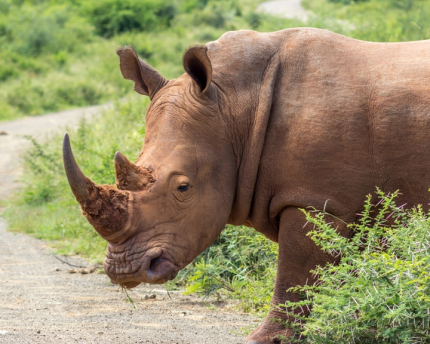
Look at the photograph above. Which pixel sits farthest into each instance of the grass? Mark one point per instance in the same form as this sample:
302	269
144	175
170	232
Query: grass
373	20
60	54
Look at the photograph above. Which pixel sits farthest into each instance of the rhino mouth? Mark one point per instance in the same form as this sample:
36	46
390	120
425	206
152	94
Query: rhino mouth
152	267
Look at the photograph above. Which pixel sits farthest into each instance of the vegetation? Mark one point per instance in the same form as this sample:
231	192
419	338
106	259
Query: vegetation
240	264
59	54
380	291
373	20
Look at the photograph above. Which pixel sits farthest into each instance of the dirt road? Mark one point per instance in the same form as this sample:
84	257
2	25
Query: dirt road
284	8
40	302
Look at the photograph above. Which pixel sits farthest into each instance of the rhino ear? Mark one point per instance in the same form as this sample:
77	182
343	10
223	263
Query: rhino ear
147	81
198	66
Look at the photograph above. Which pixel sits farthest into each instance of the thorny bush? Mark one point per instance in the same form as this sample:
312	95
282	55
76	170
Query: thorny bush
380	290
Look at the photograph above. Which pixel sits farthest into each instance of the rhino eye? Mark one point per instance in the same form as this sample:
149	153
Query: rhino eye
183	188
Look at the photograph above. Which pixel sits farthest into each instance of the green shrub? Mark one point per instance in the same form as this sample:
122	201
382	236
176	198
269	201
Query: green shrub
217	13
111	17
241	265
346	2
51	58
34	29
373	20
380	290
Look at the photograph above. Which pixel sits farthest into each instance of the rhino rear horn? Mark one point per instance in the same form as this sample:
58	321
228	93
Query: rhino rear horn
147	80
105	207
129	176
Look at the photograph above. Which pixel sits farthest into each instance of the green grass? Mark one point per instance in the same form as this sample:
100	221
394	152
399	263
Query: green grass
373	20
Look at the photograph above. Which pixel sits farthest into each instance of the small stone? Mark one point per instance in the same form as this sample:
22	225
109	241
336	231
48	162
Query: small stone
99	332
85	271
38	331
149	296
3	133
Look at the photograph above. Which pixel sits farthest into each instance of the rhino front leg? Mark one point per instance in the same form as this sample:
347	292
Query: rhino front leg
297	256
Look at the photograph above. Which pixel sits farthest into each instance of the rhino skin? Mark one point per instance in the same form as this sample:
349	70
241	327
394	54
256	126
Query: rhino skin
259	126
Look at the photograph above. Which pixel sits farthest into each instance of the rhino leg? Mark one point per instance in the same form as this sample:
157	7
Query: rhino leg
297	256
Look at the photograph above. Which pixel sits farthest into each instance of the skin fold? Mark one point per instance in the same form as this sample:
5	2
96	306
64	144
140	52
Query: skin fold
259	126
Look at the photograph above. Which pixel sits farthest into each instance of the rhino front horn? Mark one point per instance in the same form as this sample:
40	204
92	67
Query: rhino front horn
105	207
77	180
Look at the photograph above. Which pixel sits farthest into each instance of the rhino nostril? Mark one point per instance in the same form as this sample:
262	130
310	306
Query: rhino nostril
155	262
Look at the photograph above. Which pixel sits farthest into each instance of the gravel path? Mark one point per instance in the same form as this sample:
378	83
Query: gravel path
41	302
284	8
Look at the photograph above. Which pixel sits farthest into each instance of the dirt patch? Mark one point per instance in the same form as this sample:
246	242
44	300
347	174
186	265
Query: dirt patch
40	302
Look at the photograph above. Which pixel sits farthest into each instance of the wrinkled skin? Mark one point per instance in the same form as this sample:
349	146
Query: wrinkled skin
163	215
260	126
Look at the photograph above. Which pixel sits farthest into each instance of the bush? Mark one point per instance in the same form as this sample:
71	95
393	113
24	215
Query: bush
346	2
380	290
111	17
217	13
32	30
241	264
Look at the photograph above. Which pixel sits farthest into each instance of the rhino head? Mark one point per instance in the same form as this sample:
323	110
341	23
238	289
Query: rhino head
174	201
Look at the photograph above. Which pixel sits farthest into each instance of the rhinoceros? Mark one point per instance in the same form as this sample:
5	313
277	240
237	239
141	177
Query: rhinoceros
259	126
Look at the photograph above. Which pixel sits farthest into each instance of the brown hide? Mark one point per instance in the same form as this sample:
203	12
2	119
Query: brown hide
261	125
345	116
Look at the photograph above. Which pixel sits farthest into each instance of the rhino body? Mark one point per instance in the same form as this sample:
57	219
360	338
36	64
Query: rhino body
261	125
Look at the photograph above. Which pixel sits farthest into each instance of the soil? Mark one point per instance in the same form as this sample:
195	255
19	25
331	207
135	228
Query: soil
42	302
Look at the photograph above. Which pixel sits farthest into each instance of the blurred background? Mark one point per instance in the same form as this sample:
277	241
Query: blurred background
60	54
57	54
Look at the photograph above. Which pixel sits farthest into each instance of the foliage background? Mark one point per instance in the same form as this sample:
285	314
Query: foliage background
60	54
